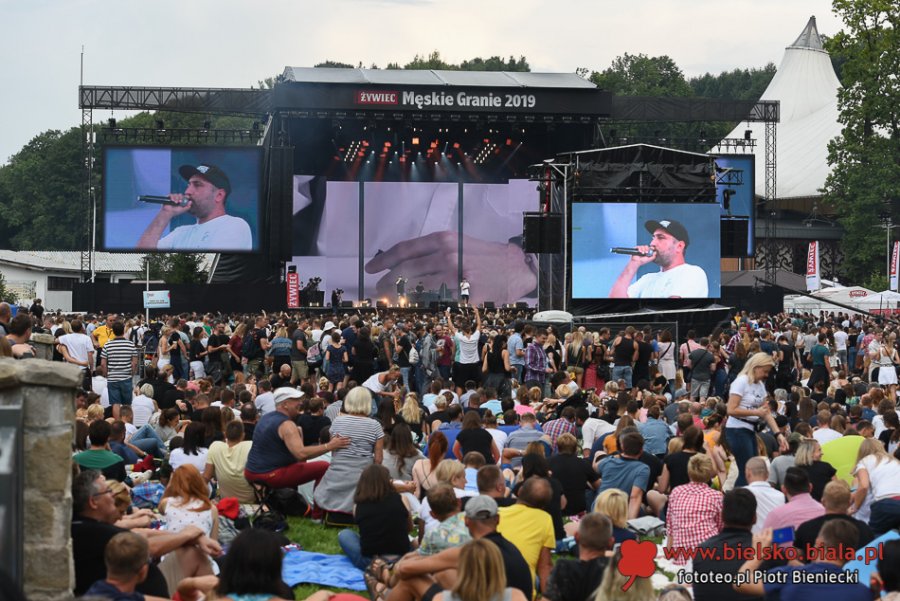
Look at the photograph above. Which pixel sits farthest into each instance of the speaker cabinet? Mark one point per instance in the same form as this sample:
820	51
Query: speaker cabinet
734	237
542	233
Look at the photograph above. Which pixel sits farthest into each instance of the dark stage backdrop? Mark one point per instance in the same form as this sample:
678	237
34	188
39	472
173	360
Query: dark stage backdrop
225	298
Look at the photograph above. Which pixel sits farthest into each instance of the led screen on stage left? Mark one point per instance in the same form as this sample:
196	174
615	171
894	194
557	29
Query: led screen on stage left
684	239
218	191
326	234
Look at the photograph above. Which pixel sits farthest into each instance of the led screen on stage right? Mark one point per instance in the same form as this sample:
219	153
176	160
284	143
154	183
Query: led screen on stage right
683	240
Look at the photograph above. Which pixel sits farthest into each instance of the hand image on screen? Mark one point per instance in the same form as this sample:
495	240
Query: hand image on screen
495	270
676	278
207	191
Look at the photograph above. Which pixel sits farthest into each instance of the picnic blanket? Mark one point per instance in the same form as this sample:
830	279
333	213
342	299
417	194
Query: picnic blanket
303	567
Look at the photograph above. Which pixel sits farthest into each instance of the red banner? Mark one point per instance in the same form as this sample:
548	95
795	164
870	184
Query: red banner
293	291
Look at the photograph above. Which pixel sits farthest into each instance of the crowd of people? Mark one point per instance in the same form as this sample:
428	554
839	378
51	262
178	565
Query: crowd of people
469	456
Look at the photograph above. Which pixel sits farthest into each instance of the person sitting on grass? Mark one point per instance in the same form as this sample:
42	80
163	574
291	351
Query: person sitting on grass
451	530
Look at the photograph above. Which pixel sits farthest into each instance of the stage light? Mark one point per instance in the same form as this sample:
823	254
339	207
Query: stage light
387	144
160	124
415	141
747	134
207	125
509	141
456	145
255	126
111	123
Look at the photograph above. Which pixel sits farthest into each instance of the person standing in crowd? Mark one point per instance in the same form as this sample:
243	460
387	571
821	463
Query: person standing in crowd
468	363
625	353
746	408
515	345
537	366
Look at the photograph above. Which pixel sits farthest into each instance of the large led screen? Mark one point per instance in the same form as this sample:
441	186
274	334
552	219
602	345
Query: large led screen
182	199
678	246
418	240
735	186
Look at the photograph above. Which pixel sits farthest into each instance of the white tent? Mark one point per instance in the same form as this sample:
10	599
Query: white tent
855	296
807	87
887	302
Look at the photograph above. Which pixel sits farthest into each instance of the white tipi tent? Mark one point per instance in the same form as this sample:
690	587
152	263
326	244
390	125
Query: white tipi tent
807	87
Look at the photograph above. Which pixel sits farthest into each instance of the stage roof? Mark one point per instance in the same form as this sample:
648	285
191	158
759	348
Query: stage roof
432	77
807	87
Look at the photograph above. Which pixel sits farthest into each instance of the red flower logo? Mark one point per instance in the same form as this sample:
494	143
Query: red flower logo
637	560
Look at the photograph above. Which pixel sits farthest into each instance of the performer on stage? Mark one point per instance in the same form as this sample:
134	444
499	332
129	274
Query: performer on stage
464	291
401	288
675	279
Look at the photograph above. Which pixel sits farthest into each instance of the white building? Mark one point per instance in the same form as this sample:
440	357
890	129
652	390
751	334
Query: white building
52	275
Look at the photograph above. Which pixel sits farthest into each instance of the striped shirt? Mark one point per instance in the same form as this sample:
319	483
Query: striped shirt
363	432
118	353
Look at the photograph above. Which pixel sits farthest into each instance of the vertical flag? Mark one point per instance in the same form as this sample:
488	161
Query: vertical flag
293	290
895	265
813	281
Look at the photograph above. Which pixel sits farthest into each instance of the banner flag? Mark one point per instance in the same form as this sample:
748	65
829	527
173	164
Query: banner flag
813	281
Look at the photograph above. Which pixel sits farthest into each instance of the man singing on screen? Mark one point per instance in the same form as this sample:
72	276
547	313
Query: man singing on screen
675	279
204	198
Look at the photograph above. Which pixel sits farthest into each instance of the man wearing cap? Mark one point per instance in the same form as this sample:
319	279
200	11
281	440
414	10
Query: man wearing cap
278	457
204	198
423	576
675	279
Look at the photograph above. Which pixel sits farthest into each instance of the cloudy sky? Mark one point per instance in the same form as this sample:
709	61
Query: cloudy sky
235	43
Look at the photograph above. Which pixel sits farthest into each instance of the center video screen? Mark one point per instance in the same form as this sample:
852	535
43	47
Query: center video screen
182	199
631	250
399	242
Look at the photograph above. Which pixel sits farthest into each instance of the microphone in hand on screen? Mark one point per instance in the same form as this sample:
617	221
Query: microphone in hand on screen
161	200
634	252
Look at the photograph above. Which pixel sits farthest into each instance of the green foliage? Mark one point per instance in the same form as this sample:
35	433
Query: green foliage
738	84
40	192
865	179
642	75
7	295
877	282
174	268
337	65
432	61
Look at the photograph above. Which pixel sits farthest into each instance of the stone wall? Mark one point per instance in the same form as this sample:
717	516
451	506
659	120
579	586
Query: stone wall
46	392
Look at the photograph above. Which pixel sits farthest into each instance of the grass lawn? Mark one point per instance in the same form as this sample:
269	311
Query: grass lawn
314	538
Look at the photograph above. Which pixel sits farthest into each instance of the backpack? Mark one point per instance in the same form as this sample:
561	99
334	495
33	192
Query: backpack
314	355
413	356
250	347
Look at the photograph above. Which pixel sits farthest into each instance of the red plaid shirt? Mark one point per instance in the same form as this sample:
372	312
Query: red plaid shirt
694	515
556	428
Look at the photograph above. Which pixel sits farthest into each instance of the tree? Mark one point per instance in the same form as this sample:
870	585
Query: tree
336	65
737	84
864	183
174	268
432	61
40	192
642	75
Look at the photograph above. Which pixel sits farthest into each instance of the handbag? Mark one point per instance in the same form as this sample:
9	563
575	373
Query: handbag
603	372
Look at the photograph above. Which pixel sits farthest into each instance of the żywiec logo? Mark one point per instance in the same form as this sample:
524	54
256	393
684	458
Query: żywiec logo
378	98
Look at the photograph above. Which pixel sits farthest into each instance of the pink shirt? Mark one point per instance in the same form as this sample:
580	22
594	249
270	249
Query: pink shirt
799	509
523	409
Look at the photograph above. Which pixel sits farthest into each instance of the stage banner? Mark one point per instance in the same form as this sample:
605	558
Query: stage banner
813	281
895	265
293	291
